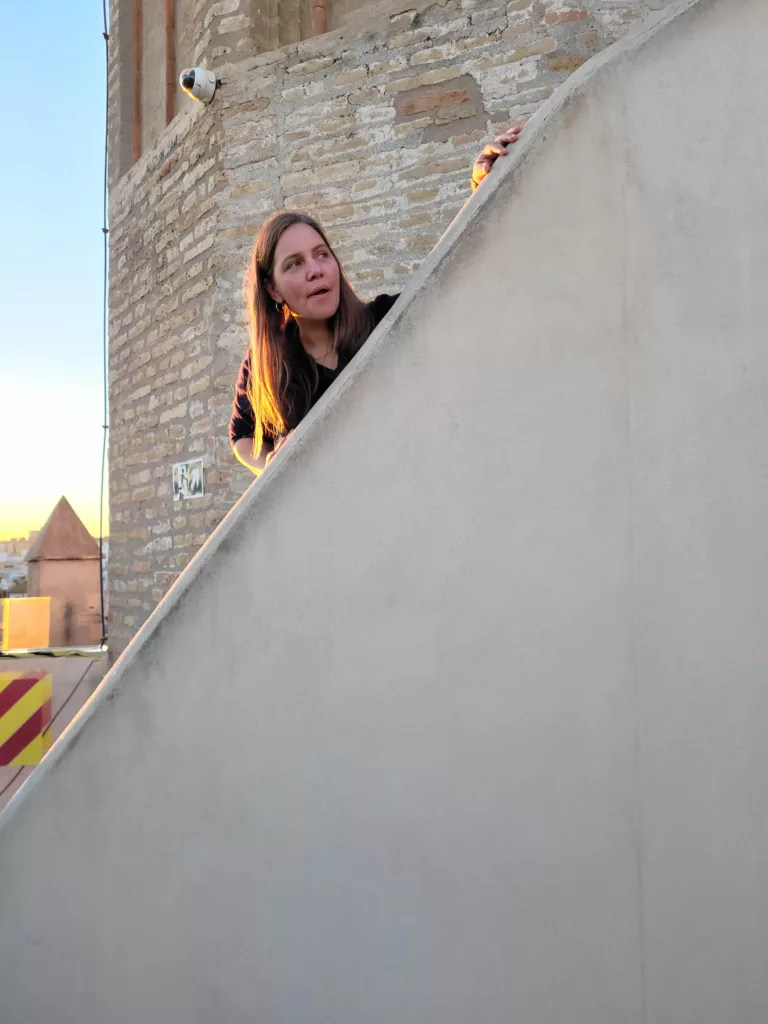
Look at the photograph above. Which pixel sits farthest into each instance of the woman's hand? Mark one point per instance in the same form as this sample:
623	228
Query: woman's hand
278	445
492	152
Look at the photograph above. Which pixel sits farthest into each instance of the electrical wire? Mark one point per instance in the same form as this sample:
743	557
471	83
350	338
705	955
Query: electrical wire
8	785
69	697
105	424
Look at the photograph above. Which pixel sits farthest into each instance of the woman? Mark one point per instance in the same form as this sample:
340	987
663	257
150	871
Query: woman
306	323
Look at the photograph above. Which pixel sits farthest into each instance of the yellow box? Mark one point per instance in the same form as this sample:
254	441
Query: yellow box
24	622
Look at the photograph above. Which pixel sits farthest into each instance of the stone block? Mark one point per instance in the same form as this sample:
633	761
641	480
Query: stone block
309	67
566	62
433	77
175	412
236	23
199	385
560	17
415	103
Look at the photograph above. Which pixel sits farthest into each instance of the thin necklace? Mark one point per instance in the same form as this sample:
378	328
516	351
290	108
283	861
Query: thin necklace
324	355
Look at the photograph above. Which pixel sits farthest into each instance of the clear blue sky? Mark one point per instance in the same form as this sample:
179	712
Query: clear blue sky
53	80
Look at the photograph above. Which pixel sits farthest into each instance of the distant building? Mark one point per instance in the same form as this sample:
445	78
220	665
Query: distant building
63	564
17	545
13	574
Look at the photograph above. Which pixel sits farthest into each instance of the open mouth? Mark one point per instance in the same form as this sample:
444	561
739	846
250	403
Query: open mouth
318	292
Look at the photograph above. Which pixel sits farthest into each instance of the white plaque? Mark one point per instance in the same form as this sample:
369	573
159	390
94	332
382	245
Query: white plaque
188	479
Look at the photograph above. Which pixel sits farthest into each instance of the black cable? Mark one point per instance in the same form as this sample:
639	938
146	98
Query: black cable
105	425
8	785
69	698
50	725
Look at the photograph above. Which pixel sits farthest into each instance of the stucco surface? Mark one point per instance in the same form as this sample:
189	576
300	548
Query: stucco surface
460	714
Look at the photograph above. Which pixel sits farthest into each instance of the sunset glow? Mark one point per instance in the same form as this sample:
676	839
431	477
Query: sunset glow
19	521
51	271
43	463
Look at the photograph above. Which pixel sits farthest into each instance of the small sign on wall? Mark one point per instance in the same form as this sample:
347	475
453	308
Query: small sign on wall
188	479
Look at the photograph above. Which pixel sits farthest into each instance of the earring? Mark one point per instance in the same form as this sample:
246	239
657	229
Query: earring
278	306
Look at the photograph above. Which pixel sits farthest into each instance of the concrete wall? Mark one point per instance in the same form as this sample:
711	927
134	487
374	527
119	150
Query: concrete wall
374	131
459	714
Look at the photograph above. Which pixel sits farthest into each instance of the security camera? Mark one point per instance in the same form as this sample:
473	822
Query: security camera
199	83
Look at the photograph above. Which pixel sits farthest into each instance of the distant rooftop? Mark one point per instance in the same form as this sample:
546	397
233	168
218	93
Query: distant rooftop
63	537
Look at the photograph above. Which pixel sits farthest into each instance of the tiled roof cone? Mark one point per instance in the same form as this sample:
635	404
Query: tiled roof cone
63	537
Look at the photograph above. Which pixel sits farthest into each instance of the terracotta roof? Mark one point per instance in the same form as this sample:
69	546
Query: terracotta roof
62	537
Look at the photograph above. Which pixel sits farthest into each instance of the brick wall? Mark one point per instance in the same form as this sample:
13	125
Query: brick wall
375	134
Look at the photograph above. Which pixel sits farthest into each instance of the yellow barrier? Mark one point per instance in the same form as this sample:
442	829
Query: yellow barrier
25	622
25	716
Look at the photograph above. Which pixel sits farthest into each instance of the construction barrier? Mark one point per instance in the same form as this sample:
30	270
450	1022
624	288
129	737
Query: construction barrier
25	716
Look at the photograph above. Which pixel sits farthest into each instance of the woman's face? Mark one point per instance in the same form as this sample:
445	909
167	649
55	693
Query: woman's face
305	275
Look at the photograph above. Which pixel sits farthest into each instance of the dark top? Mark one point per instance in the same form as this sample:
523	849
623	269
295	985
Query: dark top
243	424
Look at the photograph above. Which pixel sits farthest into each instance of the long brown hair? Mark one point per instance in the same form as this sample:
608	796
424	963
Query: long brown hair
283	377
